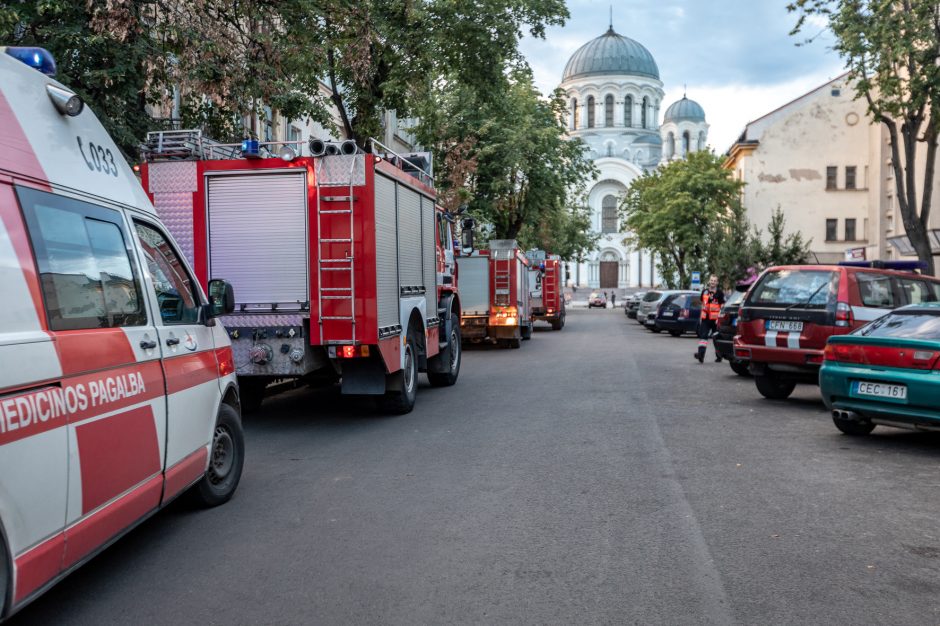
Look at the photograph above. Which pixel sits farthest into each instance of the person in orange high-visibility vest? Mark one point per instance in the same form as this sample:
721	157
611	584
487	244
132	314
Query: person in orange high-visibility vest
712	300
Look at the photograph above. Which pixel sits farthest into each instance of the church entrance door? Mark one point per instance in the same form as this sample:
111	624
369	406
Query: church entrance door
609	274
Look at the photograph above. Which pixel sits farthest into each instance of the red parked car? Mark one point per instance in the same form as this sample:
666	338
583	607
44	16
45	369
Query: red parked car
791	311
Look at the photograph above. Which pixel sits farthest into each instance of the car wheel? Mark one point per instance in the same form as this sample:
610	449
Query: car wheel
739	367
226	459
675	333
402	400
656	329
453	355
853	428
773	388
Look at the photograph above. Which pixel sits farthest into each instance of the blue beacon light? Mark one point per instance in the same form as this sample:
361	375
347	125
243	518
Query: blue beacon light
37	58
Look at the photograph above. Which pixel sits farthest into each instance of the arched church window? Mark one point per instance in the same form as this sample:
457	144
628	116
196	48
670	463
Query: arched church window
609	110
574	114
628	112
686	143
609	214
643	115
590	111
701	141
670	145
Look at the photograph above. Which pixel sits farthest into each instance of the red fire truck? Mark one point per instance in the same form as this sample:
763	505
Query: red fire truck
343	264
546	279
496	301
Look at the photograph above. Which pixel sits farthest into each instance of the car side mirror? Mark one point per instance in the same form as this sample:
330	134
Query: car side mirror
221	298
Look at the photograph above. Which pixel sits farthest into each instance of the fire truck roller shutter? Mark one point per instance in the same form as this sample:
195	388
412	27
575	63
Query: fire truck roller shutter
409	238
430	255
386	252
258	235
474	284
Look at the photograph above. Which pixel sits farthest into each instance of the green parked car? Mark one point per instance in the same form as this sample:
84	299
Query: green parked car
886	372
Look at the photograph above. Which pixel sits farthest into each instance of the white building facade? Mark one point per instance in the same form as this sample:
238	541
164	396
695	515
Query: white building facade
614	99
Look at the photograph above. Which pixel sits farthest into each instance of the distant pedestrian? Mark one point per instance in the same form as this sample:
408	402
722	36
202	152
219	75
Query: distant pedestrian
613	300
712	299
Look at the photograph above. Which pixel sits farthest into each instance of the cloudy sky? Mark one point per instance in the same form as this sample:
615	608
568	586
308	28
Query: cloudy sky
736	56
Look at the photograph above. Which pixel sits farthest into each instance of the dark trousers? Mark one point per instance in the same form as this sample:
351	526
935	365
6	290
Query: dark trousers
705	330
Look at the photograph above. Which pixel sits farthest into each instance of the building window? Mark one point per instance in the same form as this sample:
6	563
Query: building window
646	104
850	177
850	229
268	124
628	112
609	215
590	112
832	230
831	173
836	92
294	133
670	145
574	114
701	141
609	110
686	143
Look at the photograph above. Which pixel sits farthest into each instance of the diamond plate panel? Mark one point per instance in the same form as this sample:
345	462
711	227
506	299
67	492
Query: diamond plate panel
176	211
342	170
256	320
173	177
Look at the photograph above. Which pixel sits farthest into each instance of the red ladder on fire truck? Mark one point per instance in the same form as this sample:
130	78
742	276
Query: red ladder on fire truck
502	277
550	287
337	267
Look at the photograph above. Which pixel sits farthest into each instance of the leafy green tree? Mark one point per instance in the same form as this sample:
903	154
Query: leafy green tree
681	212
506	155
892	51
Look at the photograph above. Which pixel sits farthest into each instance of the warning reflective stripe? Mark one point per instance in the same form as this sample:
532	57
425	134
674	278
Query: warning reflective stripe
770	339
793	341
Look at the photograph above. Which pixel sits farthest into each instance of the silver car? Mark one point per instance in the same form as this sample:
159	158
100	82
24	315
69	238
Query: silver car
646	314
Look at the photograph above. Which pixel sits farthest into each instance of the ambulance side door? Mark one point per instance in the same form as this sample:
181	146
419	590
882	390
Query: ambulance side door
111	383
189	359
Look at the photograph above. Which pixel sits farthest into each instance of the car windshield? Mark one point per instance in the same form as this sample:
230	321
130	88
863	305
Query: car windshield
904	325
651	296
808	289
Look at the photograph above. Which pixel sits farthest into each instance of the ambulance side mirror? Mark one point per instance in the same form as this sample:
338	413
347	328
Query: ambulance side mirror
221	298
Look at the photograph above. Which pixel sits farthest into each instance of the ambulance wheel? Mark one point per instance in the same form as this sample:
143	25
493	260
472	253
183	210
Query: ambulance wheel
402	400
453	354
226	459
773	388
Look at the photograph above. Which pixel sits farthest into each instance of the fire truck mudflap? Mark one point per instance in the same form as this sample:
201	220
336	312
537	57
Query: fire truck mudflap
339	263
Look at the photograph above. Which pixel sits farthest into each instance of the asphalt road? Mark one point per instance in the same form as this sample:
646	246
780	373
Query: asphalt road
597	475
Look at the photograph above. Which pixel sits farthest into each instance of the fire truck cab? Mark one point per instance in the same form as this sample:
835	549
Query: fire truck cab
117	384
342	262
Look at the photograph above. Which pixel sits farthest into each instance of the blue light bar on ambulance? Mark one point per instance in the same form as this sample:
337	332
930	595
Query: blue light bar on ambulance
37	58
900	266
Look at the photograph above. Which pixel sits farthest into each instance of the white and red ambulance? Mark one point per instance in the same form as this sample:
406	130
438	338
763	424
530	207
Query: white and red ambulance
117	385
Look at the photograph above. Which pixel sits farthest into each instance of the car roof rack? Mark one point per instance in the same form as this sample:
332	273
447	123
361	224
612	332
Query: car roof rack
900	266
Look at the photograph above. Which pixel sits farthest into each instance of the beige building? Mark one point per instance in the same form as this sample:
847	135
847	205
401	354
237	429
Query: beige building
822	161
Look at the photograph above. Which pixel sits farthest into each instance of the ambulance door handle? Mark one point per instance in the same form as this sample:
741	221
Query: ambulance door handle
173	341
148	345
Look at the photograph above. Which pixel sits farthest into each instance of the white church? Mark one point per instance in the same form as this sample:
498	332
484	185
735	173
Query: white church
614	98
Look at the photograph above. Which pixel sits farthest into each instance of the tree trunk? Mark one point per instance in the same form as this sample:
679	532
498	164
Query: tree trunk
905	178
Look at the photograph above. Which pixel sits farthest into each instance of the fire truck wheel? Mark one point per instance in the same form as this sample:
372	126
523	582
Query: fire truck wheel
402	400
514	343
251	393
226	459
453	355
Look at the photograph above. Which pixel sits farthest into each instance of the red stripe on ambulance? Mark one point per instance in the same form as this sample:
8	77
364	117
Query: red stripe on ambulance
90	350
37	566
185	473
190	370
17	154
109	470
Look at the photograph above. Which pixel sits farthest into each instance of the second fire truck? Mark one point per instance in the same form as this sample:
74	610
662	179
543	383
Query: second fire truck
546	280
342	263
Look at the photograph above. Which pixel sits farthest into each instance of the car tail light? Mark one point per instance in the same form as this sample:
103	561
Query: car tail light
349	351
844	317
843	353
742	353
